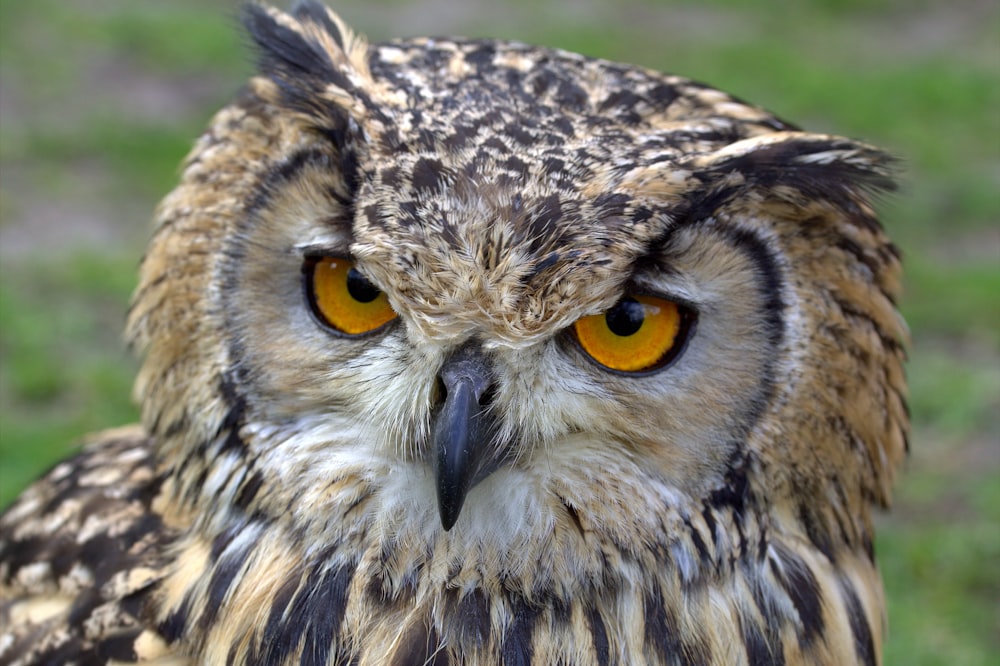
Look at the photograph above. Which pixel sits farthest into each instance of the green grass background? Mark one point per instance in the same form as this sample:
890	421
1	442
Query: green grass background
100	100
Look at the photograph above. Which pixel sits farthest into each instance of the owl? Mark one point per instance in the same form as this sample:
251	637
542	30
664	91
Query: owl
472	352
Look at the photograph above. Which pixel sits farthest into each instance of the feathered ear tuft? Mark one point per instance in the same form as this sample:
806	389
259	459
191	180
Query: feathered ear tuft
313	57
815	166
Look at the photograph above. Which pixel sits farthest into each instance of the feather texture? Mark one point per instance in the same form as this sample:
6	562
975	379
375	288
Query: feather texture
279	503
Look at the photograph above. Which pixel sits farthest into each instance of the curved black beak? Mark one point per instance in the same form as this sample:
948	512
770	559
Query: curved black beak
464	431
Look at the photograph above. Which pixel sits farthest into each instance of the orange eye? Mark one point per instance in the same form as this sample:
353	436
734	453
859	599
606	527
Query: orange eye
343	298
639	333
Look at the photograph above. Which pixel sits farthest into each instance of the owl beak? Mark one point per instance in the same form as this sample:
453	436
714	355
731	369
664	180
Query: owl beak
463	431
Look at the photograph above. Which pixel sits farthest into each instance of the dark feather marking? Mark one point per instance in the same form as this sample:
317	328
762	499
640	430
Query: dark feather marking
570	96
315	12
706	204
71	652
482	57
890	252
227	565
661	629
602	650
429	176
850	311
221	542
803	589
574	516
468	616
764	641
275	621
459	138
420	645
709	516
285	171
516	648
519	133
22	552
641	214
497	144
735	489
769	280
868	543
611	205
621	100
136	603
662	95
324	613
173	626
232	422
564	127
562	611
108	555
699	543
549	260
816	530
518	167
322	609
760	651
83	605
544	221
314	615
248	490
849	246
393	596
339	136
864	644
120	646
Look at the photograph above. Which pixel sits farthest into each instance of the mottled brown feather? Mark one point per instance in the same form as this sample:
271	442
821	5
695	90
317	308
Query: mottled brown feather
278	503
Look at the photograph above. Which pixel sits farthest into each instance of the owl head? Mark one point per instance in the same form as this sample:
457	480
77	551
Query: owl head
517	295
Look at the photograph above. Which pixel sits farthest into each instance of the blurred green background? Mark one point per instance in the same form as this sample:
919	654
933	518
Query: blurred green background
100	100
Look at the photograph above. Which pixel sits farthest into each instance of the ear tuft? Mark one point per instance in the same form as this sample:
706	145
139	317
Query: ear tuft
816	165
313	57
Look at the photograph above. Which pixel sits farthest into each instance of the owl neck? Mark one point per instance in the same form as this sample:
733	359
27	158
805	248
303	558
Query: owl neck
361	561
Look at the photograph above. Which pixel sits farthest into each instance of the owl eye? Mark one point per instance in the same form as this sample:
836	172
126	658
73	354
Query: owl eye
344	299
639	334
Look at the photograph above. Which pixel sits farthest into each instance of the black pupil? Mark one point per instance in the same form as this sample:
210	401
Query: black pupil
626	318
360	288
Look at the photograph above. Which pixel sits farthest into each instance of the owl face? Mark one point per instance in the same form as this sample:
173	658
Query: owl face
512	293
512	278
